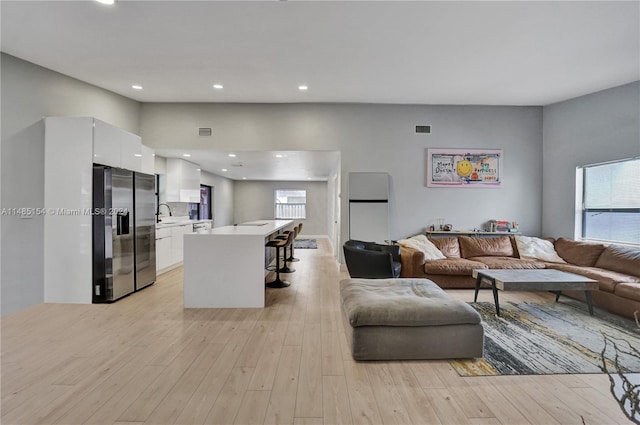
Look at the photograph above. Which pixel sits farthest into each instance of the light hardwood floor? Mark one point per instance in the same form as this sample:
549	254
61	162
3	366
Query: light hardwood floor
145	359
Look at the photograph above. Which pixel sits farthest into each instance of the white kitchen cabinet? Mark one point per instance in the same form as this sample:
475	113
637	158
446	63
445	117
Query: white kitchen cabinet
177	241
106	145
183	181
116	147
71	146
130	152
163	253
147	160
177	244
170	245
68	186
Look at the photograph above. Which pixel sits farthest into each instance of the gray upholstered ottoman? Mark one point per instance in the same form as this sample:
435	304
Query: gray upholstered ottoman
401	319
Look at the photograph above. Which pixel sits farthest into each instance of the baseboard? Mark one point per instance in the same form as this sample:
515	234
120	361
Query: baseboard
168	269
313	237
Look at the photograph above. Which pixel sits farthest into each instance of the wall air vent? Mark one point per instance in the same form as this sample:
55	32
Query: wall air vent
423	129
204	131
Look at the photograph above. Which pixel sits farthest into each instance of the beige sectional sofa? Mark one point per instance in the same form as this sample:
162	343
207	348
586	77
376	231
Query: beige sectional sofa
616	268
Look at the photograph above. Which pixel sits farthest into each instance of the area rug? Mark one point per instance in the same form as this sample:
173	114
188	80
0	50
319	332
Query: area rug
552	338
305	244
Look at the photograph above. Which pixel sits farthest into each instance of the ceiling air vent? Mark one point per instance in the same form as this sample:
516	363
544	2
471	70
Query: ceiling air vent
204	131
423	129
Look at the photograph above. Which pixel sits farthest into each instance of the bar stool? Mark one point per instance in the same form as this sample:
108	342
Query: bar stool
290	235
297	230
284	235
279	243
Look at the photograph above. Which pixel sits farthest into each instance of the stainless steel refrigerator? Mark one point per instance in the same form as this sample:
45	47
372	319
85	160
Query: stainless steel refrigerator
145	229
123	232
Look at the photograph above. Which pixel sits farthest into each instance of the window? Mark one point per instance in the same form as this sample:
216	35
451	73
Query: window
610	201
204	212
291	204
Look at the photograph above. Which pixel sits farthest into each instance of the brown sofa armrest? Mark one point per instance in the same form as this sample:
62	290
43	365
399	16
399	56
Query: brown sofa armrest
412	262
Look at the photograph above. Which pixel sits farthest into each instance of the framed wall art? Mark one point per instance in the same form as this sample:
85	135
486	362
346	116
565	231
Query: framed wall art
464	167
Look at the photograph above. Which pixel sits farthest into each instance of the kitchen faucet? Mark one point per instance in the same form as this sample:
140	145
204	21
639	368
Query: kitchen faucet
158	212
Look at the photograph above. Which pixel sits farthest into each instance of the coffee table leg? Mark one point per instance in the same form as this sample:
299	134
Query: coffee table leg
587	295
495	296
478	282
558	295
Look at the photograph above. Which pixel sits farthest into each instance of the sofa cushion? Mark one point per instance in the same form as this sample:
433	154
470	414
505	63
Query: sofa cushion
448	246
452	266
402	302
509	263
620	259
421	243
537	249
578	253
628	290
607	279
485	247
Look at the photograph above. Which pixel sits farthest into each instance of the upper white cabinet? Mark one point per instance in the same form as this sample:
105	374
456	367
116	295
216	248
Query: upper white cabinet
116	147
183	181
148	160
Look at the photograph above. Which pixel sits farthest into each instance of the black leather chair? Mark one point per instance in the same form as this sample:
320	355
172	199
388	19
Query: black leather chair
371	260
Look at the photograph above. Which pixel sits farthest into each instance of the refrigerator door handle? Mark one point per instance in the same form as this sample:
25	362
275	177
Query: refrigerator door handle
122	223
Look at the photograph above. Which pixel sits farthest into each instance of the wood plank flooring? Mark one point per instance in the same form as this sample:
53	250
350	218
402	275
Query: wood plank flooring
147	360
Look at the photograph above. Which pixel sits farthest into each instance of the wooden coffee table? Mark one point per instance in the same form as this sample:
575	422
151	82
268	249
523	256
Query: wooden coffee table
534	280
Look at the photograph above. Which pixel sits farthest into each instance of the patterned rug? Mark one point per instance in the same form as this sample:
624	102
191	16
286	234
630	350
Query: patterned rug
305	244
553	338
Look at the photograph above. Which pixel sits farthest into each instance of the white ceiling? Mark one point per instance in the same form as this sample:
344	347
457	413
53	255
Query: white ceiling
487	53
472	53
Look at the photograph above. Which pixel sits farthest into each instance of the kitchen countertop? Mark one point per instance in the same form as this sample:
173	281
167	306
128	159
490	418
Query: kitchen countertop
250	228
173	223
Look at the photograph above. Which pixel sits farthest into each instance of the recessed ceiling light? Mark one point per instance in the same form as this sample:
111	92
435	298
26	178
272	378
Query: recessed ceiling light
137	154
244	178
232	155
224	169
106	1
136	87
303	87
218	86
198	169
186	155
280	155
308	178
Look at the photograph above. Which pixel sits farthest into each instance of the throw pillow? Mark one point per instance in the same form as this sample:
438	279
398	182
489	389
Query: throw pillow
424	245
537	249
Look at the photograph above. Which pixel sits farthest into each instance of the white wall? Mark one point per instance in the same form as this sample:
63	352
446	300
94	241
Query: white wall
599	127
22	240
333	207
223	198
380	138
28	93
254	200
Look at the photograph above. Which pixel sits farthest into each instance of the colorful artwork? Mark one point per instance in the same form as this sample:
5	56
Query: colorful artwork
464	168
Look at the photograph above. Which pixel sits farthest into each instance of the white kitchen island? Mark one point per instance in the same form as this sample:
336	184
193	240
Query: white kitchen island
225	266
